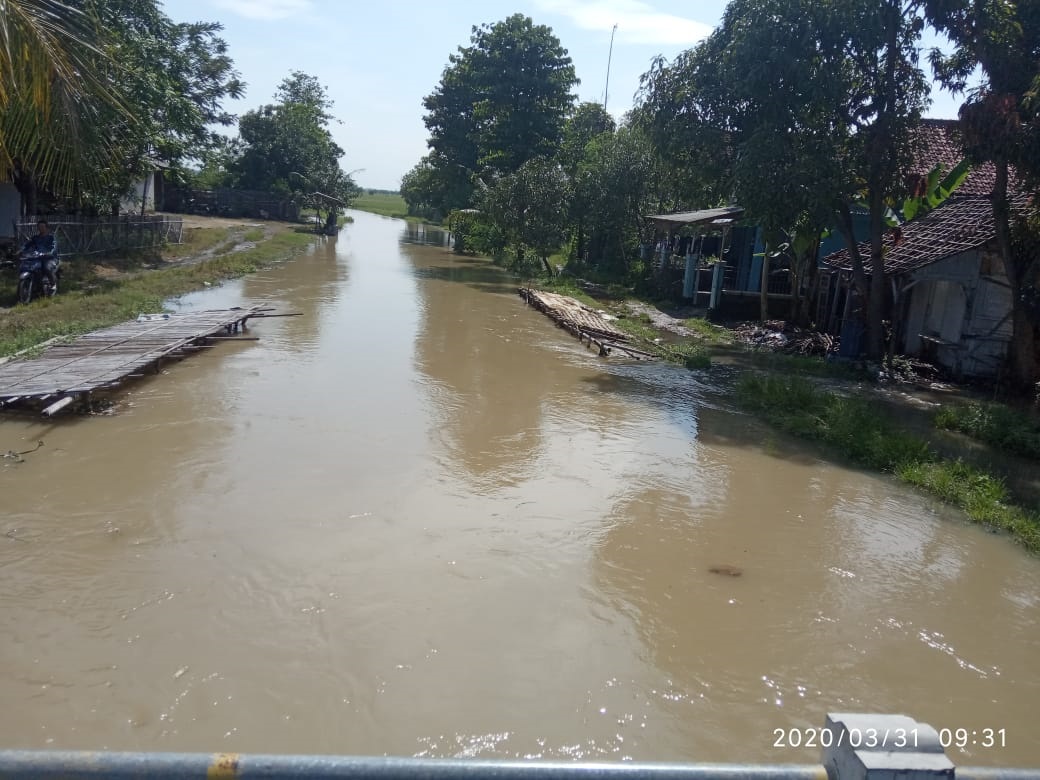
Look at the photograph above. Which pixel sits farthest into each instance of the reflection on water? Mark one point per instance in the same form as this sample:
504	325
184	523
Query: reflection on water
421	520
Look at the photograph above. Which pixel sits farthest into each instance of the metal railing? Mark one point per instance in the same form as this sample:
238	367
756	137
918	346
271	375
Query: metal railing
87	236
884	758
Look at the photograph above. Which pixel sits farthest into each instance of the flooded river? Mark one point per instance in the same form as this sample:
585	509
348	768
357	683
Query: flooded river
420	520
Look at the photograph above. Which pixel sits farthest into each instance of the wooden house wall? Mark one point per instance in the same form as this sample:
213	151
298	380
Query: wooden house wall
959	313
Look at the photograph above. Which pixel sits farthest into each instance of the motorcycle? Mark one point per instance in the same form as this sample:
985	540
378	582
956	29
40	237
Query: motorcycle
32	281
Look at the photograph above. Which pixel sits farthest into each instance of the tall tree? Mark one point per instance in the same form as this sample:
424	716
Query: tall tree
287	147
529	206
1001	122
501	101
588	122
614	187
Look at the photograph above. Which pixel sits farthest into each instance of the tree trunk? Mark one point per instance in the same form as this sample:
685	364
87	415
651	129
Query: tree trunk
876	299
763	293
580	230
859	275
1024	349
1025	363
25	183
812	277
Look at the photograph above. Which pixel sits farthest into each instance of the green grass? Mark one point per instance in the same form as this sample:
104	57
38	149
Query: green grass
855	428
107	302
1008	429
709	332
806	365
387	205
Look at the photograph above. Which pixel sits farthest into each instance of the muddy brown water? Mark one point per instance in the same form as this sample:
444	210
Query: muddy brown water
420	520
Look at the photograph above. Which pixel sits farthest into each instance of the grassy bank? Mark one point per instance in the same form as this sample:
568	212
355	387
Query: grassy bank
92	301
1008	429
855	428
385	204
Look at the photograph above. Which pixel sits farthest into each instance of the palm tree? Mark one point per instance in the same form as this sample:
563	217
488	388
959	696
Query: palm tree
52	98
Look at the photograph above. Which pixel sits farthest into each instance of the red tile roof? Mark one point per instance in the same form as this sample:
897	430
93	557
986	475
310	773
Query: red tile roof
962	223
939	143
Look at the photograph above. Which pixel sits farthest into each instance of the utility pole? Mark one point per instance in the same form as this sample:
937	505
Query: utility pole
610	56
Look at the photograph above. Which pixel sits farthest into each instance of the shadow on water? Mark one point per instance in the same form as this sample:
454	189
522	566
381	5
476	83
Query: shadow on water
424	235
478	274
692	401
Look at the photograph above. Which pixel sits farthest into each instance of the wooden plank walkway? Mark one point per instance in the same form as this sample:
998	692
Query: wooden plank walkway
578	319
103	359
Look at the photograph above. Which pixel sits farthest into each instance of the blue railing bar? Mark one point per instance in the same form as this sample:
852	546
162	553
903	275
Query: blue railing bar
995	773
70	765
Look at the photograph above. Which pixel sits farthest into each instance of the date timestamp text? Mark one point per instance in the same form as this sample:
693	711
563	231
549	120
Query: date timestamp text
886	738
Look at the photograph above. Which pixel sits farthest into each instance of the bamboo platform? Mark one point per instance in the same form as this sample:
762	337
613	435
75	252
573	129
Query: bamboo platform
70	373
581	321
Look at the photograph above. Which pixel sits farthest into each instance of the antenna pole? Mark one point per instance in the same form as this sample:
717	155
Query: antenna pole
610	56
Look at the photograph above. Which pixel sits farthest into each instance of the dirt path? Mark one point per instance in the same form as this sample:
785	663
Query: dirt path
663	320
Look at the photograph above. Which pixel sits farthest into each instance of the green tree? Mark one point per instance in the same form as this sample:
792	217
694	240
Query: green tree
1001	122
588	122
286	147
54	101
614	188
529	208
173	77
501	101
840	75
433	185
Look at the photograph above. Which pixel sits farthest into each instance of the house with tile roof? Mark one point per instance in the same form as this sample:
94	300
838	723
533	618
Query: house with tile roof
948	285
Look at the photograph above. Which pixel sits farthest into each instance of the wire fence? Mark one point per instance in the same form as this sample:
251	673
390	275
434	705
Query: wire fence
79	236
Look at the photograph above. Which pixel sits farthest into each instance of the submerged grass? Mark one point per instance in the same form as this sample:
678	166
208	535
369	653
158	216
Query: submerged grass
709	332
854	428
1009	429
106	302
807	365
382	203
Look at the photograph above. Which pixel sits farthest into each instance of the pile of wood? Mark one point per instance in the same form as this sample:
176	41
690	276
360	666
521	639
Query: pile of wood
781	336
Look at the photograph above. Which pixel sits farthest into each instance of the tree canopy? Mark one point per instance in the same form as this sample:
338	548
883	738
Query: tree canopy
94	92
794	108
286	147
501	101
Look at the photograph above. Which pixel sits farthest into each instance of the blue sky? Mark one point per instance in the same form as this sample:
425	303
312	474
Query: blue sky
379	58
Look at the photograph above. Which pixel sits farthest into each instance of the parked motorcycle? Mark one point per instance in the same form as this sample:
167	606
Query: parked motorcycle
32	280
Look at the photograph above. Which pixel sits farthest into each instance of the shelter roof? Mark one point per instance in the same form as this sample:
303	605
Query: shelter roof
697	217
963	223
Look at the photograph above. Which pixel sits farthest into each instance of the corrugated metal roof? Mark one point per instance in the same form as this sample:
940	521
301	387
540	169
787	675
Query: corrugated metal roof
962	223
699	217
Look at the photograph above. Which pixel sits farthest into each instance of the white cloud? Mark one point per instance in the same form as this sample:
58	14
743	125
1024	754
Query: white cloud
637	21
265	10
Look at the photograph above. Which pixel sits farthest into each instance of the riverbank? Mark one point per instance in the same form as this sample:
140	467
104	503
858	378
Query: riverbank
842	409
97	293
